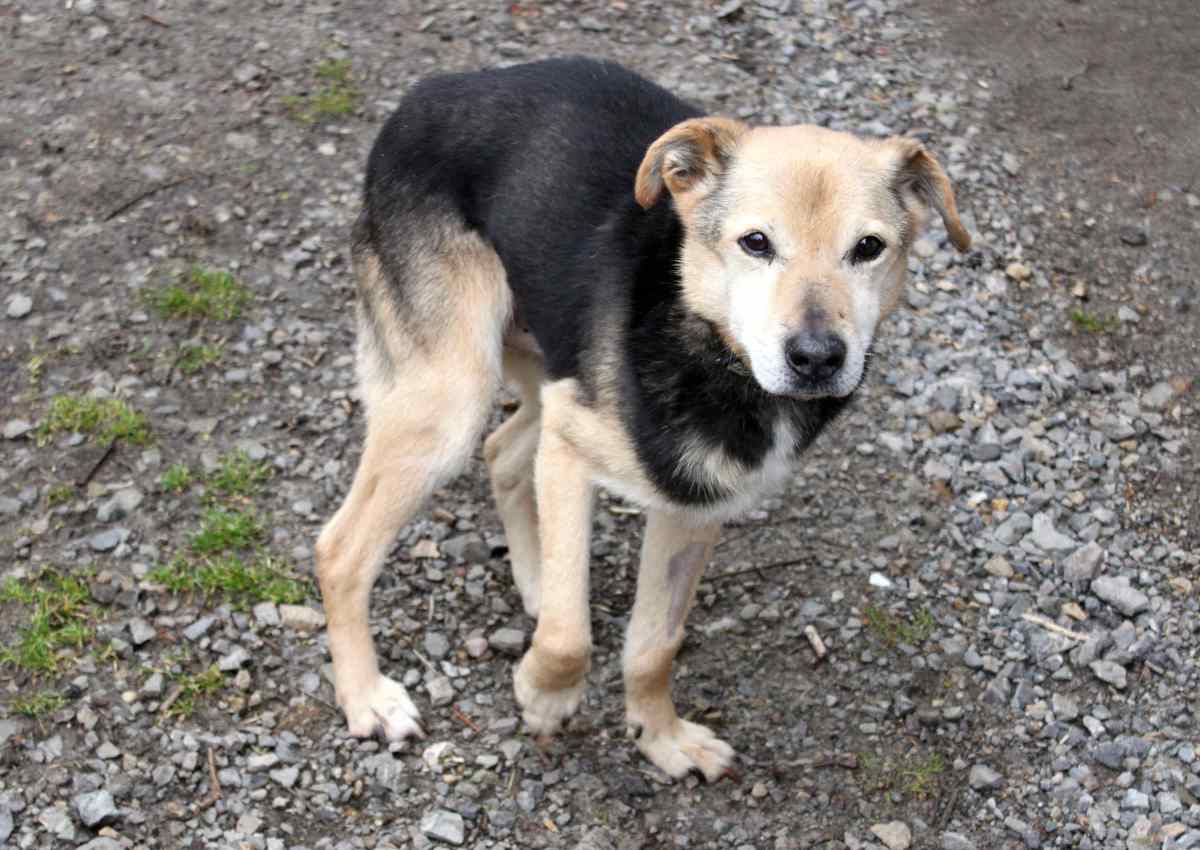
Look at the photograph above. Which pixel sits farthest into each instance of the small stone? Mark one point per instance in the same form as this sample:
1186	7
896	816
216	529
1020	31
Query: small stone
1047	537
6	824
199	628
441	692
1120	594
425	549
999	567
943	421
446	827
1013	528
266	614
1158	396
107	751
895	835
16	428
234	660
1018	271
1081	564
509	641
301	617
57	822
122	504
96	808
260	762
107	540
141	632
1136	800
153	686
476	647
437	645
1111	755
465	547
19	306
956	841
1066	708
983	778
1109	671
285	776
1128	315
1133	236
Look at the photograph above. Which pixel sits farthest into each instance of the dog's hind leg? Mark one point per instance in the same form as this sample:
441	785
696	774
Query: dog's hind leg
430	365
674	554
510	453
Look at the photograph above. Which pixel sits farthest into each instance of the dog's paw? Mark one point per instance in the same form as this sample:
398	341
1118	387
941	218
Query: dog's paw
382	708
545	709
682	747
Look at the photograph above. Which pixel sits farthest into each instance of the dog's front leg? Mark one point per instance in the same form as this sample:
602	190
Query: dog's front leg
674	554
550	680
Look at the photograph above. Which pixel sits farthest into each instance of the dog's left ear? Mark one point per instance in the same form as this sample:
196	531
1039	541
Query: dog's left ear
686	157
919	174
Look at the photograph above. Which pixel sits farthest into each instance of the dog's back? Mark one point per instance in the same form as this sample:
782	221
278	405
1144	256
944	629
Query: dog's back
509	154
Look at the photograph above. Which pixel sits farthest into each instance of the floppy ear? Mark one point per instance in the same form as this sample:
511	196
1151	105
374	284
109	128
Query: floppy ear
920	175
685	157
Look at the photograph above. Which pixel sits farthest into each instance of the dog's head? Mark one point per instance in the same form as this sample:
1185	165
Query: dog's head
796	240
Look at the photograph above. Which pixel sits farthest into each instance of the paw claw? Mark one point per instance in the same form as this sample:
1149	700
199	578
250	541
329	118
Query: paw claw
684	747
381	708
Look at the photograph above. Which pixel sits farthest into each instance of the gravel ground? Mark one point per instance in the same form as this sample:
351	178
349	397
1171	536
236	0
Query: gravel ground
997	546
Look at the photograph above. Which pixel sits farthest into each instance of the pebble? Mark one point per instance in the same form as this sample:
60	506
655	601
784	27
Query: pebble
437	645
983	778
266	614
508	641
1047	537
895	835
998	566
1111	672
444	826
285	776
96	808
6	824
107	540
956	841
441	692
1081	564
1120	594
16	428
19	306
301	617
199	628
141	632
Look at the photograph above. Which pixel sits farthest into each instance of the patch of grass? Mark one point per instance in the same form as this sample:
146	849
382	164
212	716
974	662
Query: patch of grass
176	478
916	774
891	630
335	96
193	358
203	294
38	705
238	475
107	418
34	367
60	618
193	687
222	530
241	583
59	494
1093	324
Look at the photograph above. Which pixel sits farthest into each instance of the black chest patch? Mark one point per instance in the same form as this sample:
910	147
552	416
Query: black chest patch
685	393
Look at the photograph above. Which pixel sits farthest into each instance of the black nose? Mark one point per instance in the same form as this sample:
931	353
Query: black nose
815	357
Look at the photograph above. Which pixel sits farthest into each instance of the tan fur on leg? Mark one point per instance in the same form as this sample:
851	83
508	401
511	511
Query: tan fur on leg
510	452
550	678
421	429
674	554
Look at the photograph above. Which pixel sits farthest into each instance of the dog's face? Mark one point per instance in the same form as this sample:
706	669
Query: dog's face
797	240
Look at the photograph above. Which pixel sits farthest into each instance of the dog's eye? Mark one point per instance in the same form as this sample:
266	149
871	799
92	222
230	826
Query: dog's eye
867	249
756	244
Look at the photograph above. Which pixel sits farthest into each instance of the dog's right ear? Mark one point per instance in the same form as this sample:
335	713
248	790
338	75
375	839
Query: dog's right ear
686	158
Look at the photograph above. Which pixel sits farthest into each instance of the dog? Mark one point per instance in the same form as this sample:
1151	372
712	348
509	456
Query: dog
682	303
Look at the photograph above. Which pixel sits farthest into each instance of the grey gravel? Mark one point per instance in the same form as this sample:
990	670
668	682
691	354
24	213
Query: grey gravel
983	778
509	641
1108	671
1117	592
19	306
96	808
446	827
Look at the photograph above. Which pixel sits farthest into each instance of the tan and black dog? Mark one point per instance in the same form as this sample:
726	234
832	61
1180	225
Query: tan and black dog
683	303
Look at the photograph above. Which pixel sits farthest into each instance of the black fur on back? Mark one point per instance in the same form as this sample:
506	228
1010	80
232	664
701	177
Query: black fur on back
540	159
